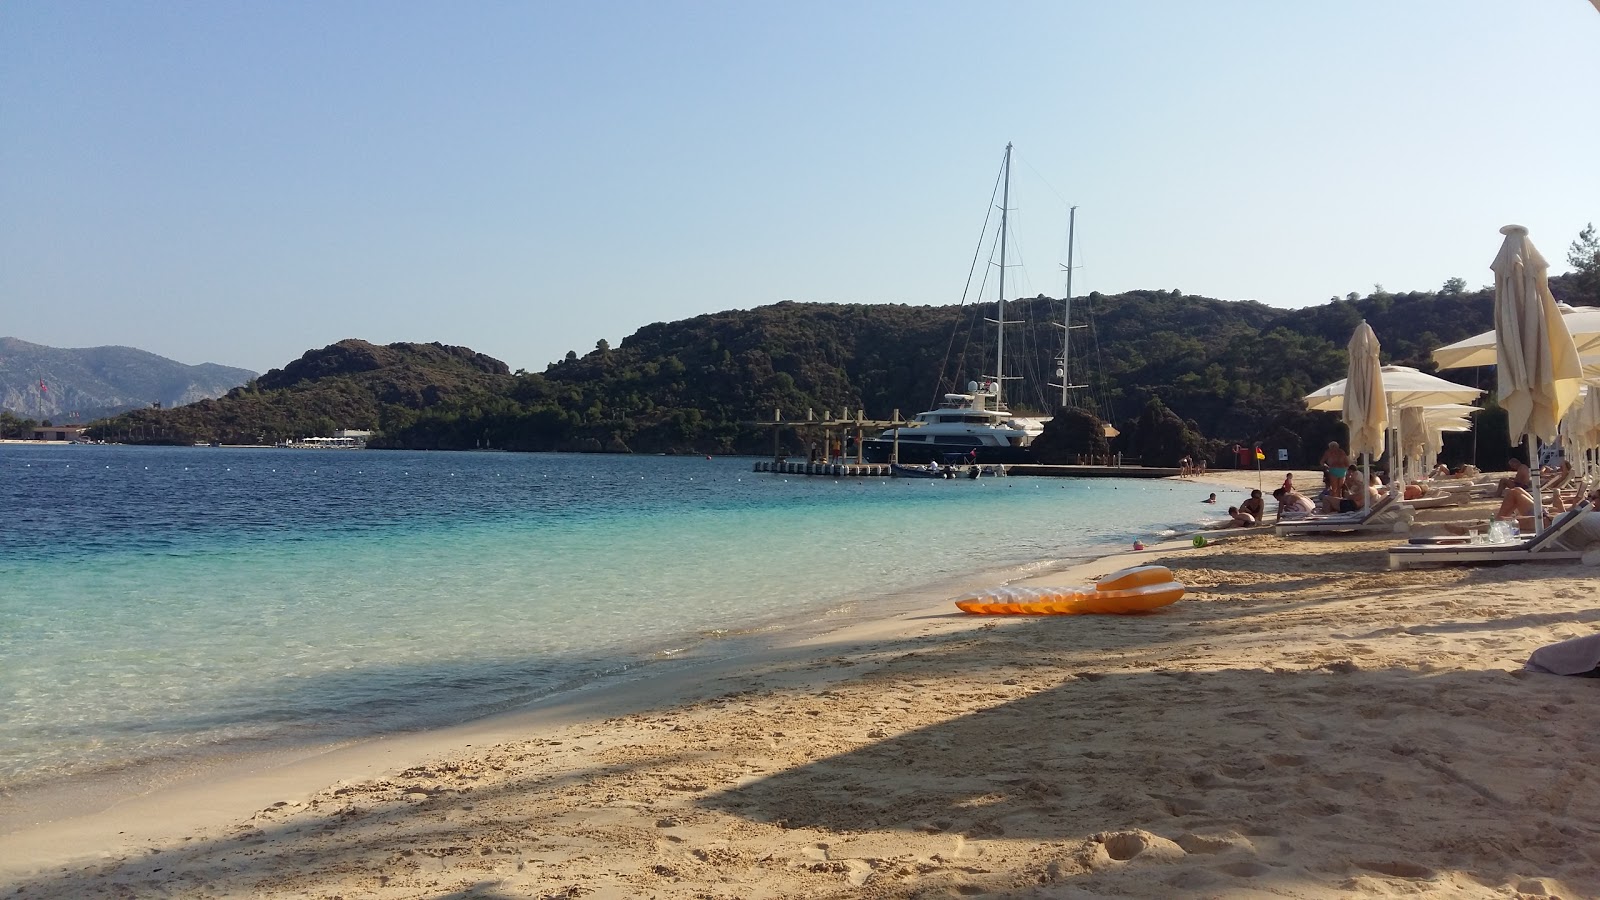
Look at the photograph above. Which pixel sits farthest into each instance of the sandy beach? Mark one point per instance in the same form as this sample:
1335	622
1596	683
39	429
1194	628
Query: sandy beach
1304	723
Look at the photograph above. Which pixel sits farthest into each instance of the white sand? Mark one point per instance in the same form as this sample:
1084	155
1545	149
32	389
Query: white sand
1304	724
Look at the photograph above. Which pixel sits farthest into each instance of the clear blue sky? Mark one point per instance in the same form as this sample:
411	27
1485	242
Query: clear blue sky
239	182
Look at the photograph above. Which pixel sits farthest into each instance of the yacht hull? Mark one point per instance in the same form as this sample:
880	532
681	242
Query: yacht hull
878	450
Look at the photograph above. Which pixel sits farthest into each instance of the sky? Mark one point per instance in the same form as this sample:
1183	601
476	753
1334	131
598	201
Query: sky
238	182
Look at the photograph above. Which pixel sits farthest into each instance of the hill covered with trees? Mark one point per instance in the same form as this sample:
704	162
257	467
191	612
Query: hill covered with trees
1202	372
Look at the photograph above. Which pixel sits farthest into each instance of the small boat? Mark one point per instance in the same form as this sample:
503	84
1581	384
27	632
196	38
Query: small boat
905	470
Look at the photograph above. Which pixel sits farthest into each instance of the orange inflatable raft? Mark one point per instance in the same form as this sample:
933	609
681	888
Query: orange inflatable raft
1125	591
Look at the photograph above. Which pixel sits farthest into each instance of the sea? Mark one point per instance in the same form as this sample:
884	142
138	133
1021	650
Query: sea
160	604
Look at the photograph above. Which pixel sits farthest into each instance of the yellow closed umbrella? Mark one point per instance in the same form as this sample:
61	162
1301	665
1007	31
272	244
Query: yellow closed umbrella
1366	411
1538	365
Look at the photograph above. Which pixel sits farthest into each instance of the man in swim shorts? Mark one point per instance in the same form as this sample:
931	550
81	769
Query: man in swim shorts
1335	465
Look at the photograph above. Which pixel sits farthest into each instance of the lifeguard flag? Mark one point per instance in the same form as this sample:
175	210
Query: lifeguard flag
1260	454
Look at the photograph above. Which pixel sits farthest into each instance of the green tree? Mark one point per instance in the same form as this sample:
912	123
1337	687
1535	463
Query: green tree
1584	256
1453	286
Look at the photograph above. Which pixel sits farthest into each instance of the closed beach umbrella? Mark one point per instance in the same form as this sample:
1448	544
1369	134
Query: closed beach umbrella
1535	357
1582	428
1583	323
1366	410
1422	429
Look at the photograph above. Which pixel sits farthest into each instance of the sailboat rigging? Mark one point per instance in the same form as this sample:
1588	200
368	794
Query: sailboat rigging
975	426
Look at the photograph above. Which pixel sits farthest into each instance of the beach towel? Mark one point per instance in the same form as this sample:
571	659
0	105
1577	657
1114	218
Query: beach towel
1578	656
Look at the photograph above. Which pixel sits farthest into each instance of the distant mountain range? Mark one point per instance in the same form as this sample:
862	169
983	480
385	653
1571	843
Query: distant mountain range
92	382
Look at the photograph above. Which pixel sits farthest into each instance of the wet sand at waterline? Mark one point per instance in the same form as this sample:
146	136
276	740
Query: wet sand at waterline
1303	723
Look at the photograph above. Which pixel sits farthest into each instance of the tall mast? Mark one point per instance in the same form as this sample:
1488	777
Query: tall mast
1000	310
1066	326
1066	317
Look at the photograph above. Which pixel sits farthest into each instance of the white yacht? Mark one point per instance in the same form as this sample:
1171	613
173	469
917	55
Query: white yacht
966	427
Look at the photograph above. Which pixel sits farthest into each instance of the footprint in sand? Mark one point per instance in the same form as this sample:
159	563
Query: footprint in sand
1125	845
1397	868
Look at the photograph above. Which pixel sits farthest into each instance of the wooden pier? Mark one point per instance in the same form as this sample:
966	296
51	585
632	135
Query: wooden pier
880	470
1093	471
785	467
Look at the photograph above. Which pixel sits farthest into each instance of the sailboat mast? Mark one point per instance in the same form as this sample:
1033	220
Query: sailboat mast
1066	318
1000	311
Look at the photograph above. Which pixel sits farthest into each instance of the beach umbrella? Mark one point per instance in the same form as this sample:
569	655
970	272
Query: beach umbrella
1535	356
1583	323
1366	410
1403	386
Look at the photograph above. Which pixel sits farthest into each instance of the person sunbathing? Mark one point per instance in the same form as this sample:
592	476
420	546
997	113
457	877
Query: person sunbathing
1518	505
1520	477
1357	494
1553	480
1292	504
1241	519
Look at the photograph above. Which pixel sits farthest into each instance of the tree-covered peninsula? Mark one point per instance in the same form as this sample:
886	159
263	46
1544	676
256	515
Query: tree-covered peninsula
1203	372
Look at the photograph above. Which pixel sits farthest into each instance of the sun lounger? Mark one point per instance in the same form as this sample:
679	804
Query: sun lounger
1566	539
1385	515
1435	502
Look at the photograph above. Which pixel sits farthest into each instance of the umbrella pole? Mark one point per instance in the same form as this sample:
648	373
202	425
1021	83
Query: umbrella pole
1400	451
1533	484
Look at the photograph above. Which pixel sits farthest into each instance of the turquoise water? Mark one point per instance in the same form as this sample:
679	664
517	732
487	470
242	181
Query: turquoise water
156	602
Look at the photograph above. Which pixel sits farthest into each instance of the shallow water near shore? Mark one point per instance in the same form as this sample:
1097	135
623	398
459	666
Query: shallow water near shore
158	602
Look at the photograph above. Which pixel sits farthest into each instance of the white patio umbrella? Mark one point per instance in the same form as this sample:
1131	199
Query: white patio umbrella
1366	409
1535	356
1403	386
1583	323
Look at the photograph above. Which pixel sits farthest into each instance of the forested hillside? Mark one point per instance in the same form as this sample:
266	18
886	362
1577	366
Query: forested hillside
1229	371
